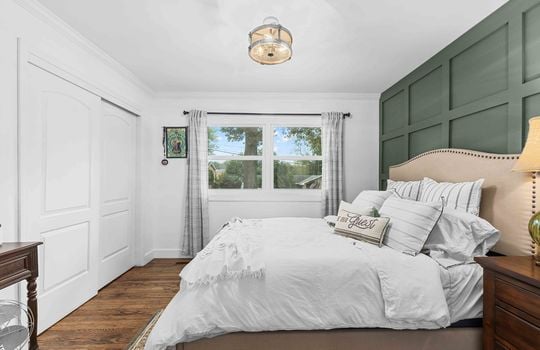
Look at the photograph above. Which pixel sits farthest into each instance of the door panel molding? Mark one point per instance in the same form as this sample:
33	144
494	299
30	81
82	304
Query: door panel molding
67	174
53	207
59	267
117	229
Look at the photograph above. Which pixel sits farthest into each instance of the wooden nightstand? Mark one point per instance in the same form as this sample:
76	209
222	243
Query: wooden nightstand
18	262
511	303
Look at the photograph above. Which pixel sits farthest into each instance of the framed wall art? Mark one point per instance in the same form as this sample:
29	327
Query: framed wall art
175	141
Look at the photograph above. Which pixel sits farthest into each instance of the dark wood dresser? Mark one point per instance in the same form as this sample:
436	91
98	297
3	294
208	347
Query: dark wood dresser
511	303
18	262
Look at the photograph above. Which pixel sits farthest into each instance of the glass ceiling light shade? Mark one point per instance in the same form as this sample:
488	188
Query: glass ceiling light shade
270	43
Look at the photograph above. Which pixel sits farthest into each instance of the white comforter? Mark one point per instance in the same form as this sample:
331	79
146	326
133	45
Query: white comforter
234	253
313	279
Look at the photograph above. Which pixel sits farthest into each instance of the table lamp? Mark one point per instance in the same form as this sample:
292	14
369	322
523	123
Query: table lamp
529	161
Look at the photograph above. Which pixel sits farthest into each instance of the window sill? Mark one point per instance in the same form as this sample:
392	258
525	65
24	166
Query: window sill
264	196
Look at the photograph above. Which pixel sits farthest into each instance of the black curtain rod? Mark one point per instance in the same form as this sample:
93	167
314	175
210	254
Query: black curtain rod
345	115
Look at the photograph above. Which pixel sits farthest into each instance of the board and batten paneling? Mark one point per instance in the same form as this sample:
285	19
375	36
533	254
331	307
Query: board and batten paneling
477	93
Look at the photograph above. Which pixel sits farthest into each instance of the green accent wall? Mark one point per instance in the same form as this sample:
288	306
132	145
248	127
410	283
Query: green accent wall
477	93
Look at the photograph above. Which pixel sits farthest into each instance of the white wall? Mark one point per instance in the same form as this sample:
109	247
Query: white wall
163	186
31	35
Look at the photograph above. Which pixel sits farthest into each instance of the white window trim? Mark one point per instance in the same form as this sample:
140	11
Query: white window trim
266	193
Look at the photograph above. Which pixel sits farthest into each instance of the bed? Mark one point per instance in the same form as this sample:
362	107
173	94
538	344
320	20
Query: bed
507	202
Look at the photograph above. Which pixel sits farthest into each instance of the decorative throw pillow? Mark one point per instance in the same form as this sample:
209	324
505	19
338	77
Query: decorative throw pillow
458	237
464	196
405	189
411	223
371	199
358	224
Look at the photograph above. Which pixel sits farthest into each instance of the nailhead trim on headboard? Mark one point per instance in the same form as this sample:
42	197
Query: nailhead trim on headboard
533	245
485	156
461	151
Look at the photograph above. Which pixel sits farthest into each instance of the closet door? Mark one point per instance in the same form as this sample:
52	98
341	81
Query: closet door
116	236
8	142
59	188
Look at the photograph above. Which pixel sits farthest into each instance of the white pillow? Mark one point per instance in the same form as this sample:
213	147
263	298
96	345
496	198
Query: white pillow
464	196
358	224
458	237
405	189
371	199
331	220
411	222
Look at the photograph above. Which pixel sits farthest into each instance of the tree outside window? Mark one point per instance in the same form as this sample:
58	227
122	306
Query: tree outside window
238	160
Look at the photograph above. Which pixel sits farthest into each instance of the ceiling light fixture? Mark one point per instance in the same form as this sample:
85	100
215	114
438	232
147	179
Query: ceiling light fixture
270	43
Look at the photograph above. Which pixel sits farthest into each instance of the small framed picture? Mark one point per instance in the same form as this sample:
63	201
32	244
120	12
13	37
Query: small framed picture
175	142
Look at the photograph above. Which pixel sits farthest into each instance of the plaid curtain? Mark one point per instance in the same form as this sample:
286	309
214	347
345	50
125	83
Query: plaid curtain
332	166
196	231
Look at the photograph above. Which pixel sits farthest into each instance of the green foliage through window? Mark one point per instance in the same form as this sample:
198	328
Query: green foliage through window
240	174
236	158
304	174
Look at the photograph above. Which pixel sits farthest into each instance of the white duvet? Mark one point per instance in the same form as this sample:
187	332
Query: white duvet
313	279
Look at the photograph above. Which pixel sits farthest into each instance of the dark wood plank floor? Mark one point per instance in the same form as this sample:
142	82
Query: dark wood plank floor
111	319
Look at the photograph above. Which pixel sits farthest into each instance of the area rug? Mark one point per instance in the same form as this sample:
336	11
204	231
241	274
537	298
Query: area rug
139	340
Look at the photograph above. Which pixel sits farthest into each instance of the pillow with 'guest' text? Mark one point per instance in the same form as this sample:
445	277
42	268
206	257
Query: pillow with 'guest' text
359	224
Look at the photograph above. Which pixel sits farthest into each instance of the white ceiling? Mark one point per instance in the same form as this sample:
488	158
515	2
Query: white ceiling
361	46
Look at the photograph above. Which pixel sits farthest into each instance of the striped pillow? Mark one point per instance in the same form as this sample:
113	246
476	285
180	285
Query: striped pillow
353	222
463	196
371	199
405	189
411	223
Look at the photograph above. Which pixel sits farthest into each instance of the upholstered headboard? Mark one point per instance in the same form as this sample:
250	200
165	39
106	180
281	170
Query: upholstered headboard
508	198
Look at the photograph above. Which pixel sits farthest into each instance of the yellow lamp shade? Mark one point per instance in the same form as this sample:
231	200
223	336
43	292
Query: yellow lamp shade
529	161
270	43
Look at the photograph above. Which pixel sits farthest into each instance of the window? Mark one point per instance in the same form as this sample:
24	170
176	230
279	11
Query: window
267	156
235	157
297	159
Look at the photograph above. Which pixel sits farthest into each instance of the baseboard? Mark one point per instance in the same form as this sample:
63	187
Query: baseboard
167	254
148	256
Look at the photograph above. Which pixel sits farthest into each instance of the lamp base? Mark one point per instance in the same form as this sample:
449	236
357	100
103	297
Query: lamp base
534	231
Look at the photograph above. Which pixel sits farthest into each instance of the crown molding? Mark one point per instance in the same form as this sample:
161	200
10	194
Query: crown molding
269	95
54	66
42	13
39	11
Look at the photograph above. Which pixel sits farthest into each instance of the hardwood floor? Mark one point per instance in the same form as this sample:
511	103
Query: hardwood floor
111	319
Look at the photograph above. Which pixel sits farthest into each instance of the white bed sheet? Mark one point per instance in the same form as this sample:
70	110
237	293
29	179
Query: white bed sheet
315	279
463	288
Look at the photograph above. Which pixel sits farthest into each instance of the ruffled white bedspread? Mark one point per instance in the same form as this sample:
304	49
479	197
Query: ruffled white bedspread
234	253
313	279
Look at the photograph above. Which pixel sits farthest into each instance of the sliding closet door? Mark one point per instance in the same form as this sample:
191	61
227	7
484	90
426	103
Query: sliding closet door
59	186
116	236
8	141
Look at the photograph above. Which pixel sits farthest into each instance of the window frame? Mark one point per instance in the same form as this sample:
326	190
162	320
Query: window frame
267	193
